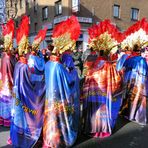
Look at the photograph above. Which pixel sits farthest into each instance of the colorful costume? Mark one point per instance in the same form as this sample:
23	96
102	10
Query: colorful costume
135	74
102	86
6	78
29	94
61	119
102	99
135	89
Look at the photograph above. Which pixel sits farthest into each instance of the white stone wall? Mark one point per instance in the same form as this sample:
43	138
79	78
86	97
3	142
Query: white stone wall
2	14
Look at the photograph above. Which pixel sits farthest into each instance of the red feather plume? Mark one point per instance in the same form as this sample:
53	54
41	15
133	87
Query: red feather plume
23	29
135	27
8	28
71	26
105	26
41	34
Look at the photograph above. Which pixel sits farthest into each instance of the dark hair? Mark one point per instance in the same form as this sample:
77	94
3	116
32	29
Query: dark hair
142	50
91	49
136	48
50	47
127	48
119	46
118	51
101	52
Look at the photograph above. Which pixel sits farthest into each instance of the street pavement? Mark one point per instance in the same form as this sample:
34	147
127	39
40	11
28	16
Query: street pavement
125	135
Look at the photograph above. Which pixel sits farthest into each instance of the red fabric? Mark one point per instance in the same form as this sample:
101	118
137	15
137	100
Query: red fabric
33	53
4	122
114	57
23	60
67	52
133	54
93	53
88	64
54	58
101	134
128	52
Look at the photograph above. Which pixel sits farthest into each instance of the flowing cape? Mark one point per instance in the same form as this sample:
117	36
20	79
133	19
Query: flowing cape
135	85
28	107
101	99
61	119
6	84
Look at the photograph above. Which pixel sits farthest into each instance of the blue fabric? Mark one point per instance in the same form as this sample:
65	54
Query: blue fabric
134	67
67	61
28	106
121	62
135	89
132	62
62	106
37	66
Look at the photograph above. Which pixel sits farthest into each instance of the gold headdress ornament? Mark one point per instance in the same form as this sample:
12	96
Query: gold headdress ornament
8	33
65	35
22	36
39	38
104	36
137	34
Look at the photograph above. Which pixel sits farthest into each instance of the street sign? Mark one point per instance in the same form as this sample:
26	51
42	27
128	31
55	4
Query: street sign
75	5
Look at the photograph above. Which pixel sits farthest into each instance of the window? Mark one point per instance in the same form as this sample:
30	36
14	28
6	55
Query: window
134	14
16	23
11	4
21	4
116	11
45	13
35	6
35	27
8	13
58	7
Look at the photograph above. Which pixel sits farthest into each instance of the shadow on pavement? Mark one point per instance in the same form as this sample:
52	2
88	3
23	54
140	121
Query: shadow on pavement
120	123
125	135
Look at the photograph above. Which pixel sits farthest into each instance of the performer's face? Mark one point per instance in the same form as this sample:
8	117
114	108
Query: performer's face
43	51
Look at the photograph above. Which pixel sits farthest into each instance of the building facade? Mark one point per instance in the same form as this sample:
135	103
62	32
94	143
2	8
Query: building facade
2	14
51	12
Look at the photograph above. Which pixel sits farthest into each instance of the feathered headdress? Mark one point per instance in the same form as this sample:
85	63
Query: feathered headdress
104	36
136	34
39	38
22	35
8	33
65	34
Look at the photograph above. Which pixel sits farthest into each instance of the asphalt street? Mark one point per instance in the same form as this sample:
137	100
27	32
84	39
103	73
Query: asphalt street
125	135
